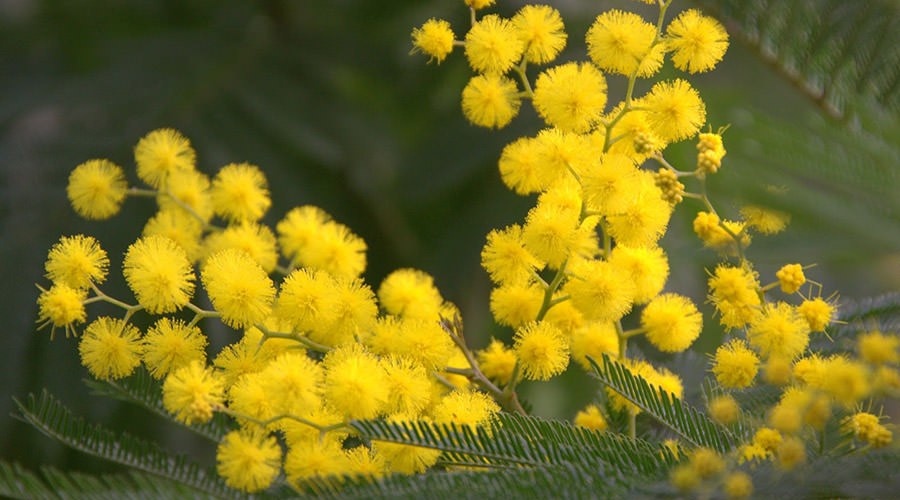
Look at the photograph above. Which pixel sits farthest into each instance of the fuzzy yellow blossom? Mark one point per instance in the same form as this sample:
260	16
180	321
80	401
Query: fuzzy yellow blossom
110	348
846	381
298	228
878	348
170	344
550	233
409	387
479	4
493	45
306	300
594	339
406	459
314	458
490	100
355	385
643	215
810	370
735	366
505	257
777	370
248	459
724	409
684	478
765	220
738	485
541	30
193	392
817	312
697	42
96	189
77	261
710	151
160	153
366	462
252	396
434	38
600	290
336	249
293	382
410	293
790	277
791	453
733	290
178	226
779	331
61	307
353	312
867	427
647	268
542	350
672	322
560	154
709	228
187	191
466	408
706	462
159	273
240	193
256	240
571	96
522	168
623	42
497	362
674	110
591	418
238	288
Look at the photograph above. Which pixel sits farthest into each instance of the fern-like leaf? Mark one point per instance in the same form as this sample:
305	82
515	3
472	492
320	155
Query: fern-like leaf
669	410
141	389
53	419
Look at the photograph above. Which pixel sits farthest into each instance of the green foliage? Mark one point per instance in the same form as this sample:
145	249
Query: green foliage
46	414
682	418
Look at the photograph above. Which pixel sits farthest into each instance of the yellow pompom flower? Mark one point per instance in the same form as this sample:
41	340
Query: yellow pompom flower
611	186
406	459
366	462
465	408
697	42
878	348
516	304
817	312
256	240
193	392
61	307
248	459
242	357
180	227
647	268
541	29
170	344
409	385
600	290
335	249
160	153
779	331
77	261
238	287
738	485
846	382
672	322
497	362
355	385
867	427
505	257
298	227
293	382
110	348
306	300
559	154
734	365
419	339
790	277
521	167
159	273
187	191
765	220
643	216
353	311
314	458
733	290
542	350
591	418
674	110
434	38
622	42
410	293
96	189
724	409
810	370
490	100
571	96
706	462
594	339
684	478
708	228
479	4
240	193
791	453
777	370
768	439
493	45
550	233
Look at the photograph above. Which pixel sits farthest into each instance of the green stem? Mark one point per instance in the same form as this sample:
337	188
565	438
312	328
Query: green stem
309	344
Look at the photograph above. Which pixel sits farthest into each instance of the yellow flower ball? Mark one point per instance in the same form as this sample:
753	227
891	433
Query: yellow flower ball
298	228
490	100
735	366
409	385
353	311
238	288
159	273
542	350
314	458
738	485
591	418
541	29
697	42
160	153
733	291
647	268
790	278
672	322
878	348
434	38
674	110
724	409
335	249
505	257
178	226
193	392
77	261
170	344
466	408
306	300
61	306
623	42
187	191
600	290
248	459
410	293
110	348
779	331
240	193
516	304
571	96
817	312
96	189
594	339
497	362
493	45
355	384
256	240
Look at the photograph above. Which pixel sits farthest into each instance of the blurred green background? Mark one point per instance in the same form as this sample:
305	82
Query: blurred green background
326	98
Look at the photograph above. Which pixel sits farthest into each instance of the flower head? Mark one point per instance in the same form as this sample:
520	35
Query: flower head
505	257
160	153
817	312
765	220
724	409
647	267
410	293
493	45
110	348
77	261
878	348
193	392
170	344
516	304
335	249
248	459
594	339
240	193
238	288
733	290
61	306
409	386
178	226
434	38
591	418
356	384
600	290
96	189
298	228
497	361
697	42
159	273
735	366
187	191
571	96
542	350
256	240
672	322
790	277
674	110
490	100
314	458
541	29
465	408
779	331
622	42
